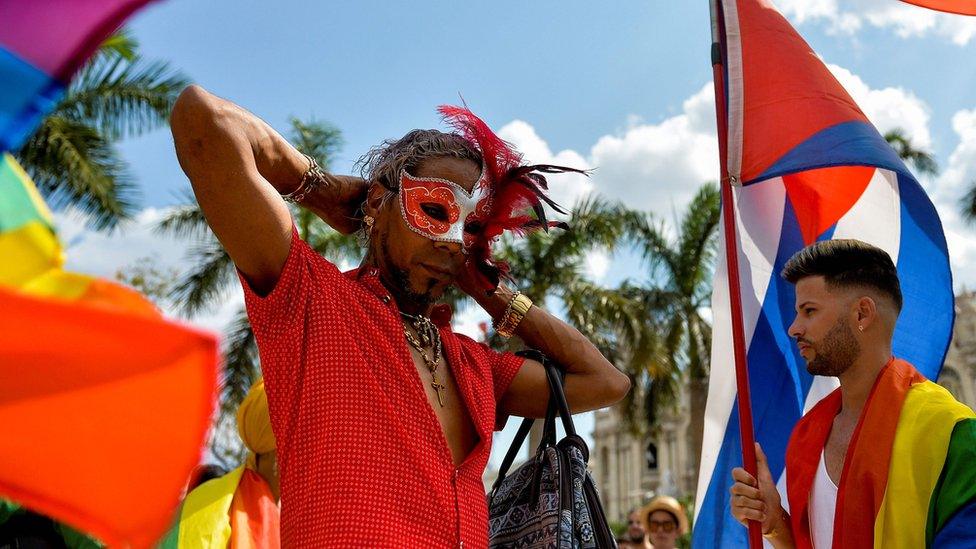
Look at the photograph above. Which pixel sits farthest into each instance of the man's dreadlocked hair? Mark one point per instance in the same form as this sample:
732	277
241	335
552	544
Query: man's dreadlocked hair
383	163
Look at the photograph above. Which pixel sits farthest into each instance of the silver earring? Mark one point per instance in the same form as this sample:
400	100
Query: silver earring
860	328
364	233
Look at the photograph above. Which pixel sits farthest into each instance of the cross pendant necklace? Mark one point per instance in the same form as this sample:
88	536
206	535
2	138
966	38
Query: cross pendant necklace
428	337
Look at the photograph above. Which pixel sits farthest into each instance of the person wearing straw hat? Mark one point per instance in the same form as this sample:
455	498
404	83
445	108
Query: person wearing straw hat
664	522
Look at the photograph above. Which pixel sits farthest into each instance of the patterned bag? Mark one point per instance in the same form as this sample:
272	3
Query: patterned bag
550	501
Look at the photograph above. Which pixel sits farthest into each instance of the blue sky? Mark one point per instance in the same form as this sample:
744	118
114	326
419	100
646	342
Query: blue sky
621	86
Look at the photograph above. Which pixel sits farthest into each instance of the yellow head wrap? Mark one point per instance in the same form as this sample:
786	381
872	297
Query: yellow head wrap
254	422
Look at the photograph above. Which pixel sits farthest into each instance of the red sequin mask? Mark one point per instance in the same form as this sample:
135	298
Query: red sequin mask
442	210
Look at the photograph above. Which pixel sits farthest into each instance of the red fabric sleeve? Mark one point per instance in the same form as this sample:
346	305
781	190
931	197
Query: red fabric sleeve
280	328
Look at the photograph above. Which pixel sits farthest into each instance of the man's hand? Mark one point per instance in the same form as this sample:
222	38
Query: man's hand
467	282
591	381
339	202
759	500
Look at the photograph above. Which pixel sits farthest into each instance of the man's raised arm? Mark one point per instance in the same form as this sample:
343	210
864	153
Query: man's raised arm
238	166
592	382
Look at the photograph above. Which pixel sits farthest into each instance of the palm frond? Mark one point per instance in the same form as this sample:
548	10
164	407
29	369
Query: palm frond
968	204
662	396
329	243
122	98
318	139
203	287
240	372
697	245
121	44
240	362
72	163
650	238
186	221
922	160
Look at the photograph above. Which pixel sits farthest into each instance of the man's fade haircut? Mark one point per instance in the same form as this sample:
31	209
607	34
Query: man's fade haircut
847	263
383	163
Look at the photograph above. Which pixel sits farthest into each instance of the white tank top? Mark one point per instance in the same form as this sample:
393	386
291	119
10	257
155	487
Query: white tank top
823	503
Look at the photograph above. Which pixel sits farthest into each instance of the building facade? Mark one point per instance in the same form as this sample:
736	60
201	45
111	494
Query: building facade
630	470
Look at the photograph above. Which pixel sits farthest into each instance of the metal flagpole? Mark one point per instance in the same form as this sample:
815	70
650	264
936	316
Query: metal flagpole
732	260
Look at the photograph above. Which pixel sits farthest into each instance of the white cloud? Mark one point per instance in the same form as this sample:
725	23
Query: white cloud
888	108
564	189
654	167
658	167
471	321
946	191
906	21
103	254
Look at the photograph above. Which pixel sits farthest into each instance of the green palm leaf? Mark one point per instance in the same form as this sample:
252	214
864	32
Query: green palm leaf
72	155
206	284
186	221
121	97
73	163
921	160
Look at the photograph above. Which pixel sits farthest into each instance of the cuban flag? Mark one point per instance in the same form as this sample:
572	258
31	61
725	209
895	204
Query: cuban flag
807	166
42	43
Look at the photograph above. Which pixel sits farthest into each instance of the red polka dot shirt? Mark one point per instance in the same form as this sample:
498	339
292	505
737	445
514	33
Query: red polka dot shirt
362	457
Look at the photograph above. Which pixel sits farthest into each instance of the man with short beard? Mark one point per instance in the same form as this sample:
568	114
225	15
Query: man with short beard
383	416
889	458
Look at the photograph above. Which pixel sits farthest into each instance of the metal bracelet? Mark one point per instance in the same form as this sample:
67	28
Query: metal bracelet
311	179
517	308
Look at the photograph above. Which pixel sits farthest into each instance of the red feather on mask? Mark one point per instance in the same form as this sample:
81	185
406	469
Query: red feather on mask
516	190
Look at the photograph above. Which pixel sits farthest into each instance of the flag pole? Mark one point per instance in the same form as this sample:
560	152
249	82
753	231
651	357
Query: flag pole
732	261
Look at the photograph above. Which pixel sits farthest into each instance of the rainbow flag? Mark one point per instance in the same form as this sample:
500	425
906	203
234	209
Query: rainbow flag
962	7
104	404
43	43
235	511
910	476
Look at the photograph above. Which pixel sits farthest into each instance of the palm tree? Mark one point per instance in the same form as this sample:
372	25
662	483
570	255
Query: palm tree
72	156
920	159
207	284
680	263
680	288
968	203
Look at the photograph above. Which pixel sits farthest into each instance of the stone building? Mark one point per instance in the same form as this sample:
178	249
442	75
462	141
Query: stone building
629	470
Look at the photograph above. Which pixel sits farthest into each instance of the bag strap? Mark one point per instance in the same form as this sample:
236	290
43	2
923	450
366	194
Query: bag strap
557	393
557	404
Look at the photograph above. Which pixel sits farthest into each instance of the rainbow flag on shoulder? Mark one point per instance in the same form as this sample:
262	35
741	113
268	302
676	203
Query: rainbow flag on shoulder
910	476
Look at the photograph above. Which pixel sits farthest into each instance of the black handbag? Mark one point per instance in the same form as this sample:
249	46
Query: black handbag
550	501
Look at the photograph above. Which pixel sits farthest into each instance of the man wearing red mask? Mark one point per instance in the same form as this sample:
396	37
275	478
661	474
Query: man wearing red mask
383	415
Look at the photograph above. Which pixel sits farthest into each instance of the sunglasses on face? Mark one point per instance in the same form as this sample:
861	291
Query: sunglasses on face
667	526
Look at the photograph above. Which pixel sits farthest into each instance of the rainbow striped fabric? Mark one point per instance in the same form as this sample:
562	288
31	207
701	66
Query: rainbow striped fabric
33	257
43	43
235	511
909	479
105	404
